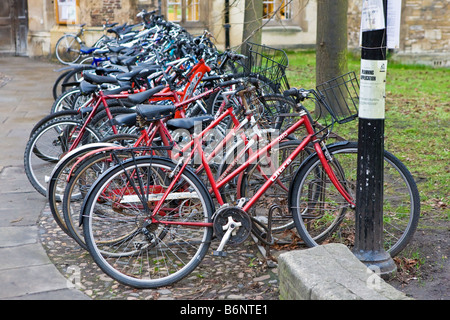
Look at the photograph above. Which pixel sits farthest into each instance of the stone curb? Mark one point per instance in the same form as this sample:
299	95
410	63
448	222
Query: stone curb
330	272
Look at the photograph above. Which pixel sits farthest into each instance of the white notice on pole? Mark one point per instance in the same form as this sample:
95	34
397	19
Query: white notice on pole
372	93
372	15
394	13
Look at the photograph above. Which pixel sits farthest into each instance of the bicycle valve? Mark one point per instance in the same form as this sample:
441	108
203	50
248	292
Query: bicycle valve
230	226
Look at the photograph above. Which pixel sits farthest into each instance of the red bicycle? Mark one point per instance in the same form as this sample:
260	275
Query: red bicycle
74	177
151	132
149	221
63	132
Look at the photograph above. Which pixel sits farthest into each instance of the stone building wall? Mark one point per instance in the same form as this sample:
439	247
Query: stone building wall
424	31
424	35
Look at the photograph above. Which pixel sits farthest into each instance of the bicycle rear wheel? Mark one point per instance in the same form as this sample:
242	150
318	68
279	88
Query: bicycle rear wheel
321	214
68	49
69	100
102	124
123	239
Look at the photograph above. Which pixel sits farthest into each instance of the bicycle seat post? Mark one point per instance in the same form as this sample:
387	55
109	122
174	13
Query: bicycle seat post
242	93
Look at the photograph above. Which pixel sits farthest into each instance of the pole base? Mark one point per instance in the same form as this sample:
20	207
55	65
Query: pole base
378	261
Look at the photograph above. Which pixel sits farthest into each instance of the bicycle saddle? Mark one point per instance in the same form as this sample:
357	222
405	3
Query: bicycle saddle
125	86
87	50
144	96
128	75
115	49
128	119
110	25
87	88
189	123
95	79
137	73
117	29
151	113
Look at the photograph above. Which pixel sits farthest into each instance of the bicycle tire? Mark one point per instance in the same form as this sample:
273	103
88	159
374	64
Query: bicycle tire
57	89
48	144
273	109
75	76
168	265
67	101
270	108
58	181
52	116
68	49
81	180
317	222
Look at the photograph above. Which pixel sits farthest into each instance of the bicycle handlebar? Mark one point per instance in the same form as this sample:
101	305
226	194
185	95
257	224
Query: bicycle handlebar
300	94
236	56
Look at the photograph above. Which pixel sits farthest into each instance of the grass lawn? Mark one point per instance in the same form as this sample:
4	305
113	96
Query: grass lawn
417	122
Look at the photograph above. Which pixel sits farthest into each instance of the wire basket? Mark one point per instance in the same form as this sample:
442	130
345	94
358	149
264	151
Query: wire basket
268	64
340	97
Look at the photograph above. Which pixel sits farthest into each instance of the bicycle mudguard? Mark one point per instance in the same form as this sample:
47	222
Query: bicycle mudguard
93	146
329	147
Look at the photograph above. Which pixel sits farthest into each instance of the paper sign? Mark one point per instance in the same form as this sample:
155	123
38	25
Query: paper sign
372	95
372	15
394	14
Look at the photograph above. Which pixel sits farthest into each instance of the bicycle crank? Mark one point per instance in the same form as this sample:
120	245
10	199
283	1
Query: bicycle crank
232	225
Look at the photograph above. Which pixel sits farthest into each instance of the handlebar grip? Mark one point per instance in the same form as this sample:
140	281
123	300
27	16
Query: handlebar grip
211	78
291	92
229	83
236	56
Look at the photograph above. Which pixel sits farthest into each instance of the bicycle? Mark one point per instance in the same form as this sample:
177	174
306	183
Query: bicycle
70	47
63	131
149	222
39	159
83	172
147	136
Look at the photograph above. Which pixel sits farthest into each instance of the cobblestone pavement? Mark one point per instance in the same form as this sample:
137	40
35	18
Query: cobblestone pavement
242	275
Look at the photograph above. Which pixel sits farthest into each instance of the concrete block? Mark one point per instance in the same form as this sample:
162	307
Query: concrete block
330	272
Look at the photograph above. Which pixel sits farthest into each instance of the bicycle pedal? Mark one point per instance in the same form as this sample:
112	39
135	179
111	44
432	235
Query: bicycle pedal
219	253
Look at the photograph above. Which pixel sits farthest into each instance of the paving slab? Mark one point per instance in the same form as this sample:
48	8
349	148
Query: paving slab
26	272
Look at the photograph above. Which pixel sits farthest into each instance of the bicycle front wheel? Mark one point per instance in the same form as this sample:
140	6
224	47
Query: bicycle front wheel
68	49
127	243
58	181
48	144
321	214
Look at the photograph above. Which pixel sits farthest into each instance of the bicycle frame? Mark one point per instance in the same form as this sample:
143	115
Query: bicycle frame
148	135
100	98
310	138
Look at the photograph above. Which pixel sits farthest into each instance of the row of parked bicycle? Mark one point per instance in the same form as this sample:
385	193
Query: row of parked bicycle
163	147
